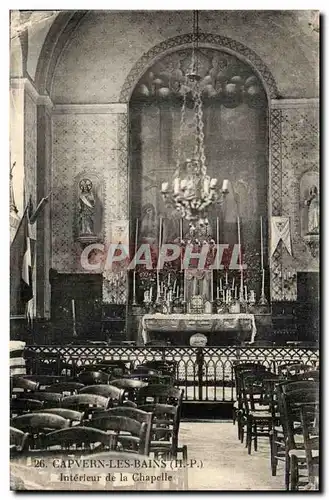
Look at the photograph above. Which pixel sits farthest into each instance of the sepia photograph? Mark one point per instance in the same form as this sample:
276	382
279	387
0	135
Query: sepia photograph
164	206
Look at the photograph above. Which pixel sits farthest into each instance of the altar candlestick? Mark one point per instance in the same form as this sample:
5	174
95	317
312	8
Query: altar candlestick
177	294
174	287
194	285
168	280
217	292
226	279
261	243
134	288
217	230
263	282
136	235
240	257
233	283
236	293
151	293
220	284
211	287
74	319
246	293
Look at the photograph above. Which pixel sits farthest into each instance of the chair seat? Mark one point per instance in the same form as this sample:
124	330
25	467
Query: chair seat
300	453
261	415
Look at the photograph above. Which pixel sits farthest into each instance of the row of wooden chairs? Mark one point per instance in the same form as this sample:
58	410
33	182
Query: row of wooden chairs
282	407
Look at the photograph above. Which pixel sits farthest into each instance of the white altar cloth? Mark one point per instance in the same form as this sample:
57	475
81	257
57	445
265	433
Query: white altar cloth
201	323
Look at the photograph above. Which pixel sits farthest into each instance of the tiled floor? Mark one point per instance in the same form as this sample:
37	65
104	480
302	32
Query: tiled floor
226	464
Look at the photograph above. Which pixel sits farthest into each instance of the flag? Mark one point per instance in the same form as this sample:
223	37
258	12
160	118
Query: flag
280	230
21	268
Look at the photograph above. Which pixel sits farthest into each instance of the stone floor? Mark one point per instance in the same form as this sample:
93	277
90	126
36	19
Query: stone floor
226	464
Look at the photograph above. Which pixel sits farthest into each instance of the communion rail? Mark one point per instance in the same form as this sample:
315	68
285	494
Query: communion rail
205	373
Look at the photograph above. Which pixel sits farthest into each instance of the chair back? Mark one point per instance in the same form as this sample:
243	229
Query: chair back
113	393
122	424
50	399
23	383
19	406
65	388
160	394
136	414
18	439
71	415
89	377
39	422
85	402
310	425
79	437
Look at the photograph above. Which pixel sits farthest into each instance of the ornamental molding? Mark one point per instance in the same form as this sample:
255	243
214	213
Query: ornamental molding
312	102
217	42
90	109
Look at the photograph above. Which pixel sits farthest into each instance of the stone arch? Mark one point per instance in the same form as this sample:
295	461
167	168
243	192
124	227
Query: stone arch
218	42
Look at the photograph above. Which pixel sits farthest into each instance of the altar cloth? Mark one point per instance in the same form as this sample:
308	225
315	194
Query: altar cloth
201	323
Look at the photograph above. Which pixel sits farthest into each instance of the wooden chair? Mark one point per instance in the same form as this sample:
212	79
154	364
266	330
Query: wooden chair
20	406
238	408
257	405
49	399
160	394
294	369
18	440
130	387
114	368
71	415
151	377
65	388
89	377
45	380
114	394
82	438
128	434
38	424
86	403
291	402
310	424
136	414
165	430
23	383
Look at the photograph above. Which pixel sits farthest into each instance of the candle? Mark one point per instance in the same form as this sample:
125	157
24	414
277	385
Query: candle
261	243
73	318
168	280
236	293
233	283
217	293
226	279
176	185
246	292
220	284
225	186
177	294
174	287
211	287
151	293
217	230
164	187
184	285
213	183
263	281
134	286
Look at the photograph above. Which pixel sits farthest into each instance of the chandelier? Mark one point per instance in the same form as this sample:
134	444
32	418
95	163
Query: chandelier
193	191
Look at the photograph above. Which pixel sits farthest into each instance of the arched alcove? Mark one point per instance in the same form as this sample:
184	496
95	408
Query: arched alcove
235	116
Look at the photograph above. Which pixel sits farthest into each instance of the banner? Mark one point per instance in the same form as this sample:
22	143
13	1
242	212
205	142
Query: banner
280	230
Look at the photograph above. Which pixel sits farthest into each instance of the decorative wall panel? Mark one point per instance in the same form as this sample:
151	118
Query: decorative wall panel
294	152
86	144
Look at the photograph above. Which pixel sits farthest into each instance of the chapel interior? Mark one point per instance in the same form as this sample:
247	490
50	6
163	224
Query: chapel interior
99	122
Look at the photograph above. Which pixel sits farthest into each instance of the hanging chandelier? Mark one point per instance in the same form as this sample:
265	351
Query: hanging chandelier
193	191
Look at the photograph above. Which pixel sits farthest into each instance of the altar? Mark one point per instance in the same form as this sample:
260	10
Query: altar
179	328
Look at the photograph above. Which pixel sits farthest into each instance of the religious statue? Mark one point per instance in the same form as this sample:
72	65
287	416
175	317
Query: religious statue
86	207
313	211
148	222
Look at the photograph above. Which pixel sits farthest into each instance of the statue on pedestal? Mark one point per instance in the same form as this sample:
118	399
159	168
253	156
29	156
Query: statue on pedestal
86	208
313	211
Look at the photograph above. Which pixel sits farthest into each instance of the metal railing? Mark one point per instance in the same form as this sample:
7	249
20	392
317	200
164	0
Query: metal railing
205	373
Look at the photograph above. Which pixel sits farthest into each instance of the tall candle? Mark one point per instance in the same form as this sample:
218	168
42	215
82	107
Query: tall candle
151	293
73	318
211	286
136	235
134	286
233	283
220	284
226	279
181	228
185	285
177	294
261	243
246	293
217	292
217	230
263	281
